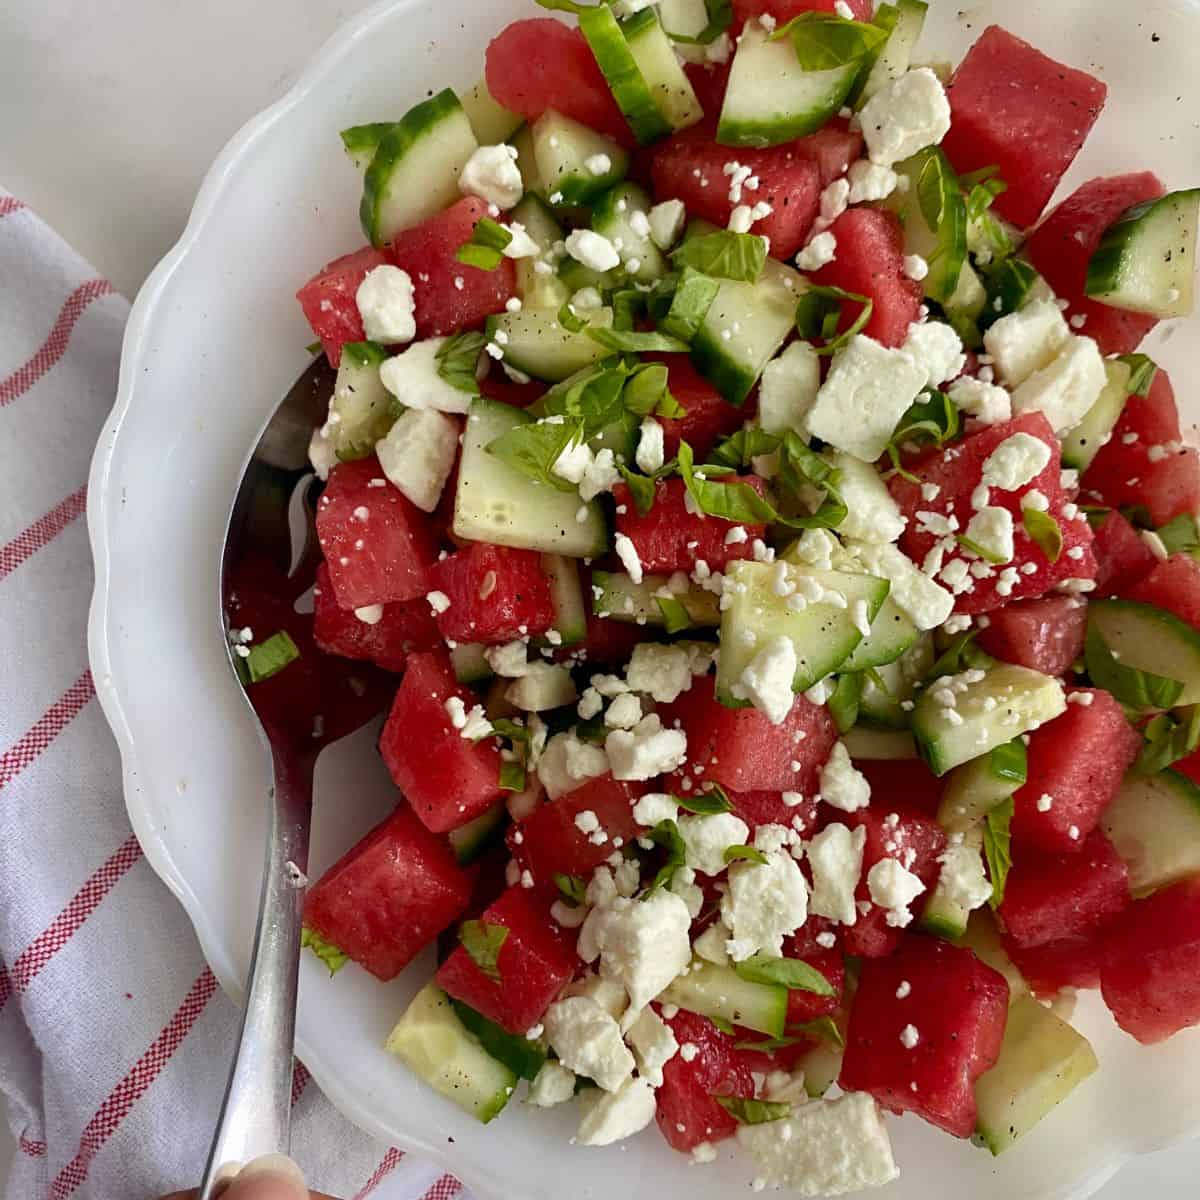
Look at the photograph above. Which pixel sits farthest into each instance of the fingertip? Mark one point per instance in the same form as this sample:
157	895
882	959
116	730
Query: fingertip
271	1177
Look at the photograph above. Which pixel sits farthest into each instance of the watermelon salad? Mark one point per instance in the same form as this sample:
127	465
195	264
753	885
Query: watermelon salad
789	571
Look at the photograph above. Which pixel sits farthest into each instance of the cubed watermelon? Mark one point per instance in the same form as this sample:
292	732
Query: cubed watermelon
1077	760
687	1113
329	304
1045	634
496	594
1173	585
833	148
1066	240
1146	466
1018	109
808	1006
669	538
1049	897
870	262
1150	975
608	640
741	750
447	778
377	543
449	295
770	808
907	782
957	471
551	842
540	63
536	959
389	896
784	10
1122	557
497	386
925	1024
1067	962
708	417
709	81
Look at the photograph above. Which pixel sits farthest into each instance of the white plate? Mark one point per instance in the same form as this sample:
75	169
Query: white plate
215	339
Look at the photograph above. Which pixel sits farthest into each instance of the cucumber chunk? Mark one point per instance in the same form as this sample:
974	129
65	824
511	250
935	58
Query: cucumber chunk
1154	825
993	707
490	120
693	298
934	215
1083	443
823	633
882	705
896	55
538	345
469	663
976	787
414	172
880	745
570	616
495	503
614	217
522	142
821	1066
655	57
470	840
364	410
538	289
721	992
621	71
361	142
1042	1061
433	1043
562	149
616	595
1149	639
1146	261
982	938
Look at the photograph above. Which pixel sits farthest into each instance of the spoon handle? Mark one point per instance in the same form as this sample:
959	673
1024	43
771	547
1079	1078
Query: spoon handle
256	1112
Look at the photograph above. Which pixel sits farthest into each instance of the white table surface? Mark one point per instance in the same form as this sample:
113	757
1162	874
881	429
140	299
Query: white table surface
110	113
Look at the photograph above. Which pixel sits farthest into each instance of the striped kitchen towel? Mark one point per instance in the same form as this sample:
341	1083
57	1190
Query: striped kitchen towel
114	1037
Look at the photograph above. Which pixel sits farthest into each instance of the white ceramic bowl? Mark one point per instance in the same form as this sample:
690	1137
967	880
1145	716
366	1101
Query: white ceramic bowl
214	340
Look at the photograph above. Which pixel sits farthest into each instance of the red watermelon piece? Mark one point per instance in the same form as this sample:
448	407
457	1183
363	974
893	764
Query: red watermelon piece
540	63
870	262
770	808
904	782
832	148
669	538
1078	760
536	959
1049	897
1068	962
784	10
389	896
376	542
708	416
956	1009
1150	975
1016	108
808	1006
608	640
1122	558
448	779
496	594
1045	634
1066	240
1173	585
329	303
427	251
709	81
741	750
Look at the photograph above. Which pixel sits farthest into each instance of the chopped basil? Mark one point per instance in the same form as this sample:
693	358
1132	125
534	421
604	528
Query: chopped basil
627	305
327	952
1045	531
694	295
1180	536
819	313
747	1111
629	341
844	702
534	449
997	847
570	320
934	419
513	730
641	489
1142	373
745	854
1009	761
1169	737
741	448
825	1028
961	655
737	502
573	889
824	42
1135	689
512	776
675	616
270	657
458	360
725	254
521	1055
666	835
485	250
720	17
364	354
978	550
791	973
483	941
708	804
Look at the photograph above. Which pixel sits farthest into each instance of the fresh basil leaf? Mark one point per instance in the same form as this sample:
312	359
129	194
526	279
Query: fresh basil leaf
513	730
934	185
327	952
708	804
521	1055
844	702
594	398
631	341
978	550
361	140
271	656
819	312
458	360
962	654
572	888
982	195
1135	689
825	1028
725	254
315	347
483	941
800	468
722	1025
982	175
1180	536
745	854
645	389
364	354
1009	761
736	502
675	615
720	17
667	836
747	1111
824	42
1142	373
534	449
694	295
1008	285
641	488
567	6
1045	531
934	419
569	319
791	973
512	776
1168	739
997	847
628	306
485	250
741	448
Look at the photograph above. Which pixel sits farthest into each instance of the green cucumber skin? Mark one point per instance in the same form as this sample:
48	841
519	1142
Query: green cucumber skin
603	34
361	141
1154	824
1151	627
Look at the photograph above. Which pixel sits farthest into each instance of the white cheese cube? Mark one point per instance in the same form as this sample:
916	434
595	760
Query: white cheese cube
418	455
1026	340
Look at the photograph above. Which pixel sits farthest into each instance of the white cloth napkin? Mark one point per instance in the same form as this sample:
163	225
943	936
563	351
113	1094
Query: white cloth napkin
114	1037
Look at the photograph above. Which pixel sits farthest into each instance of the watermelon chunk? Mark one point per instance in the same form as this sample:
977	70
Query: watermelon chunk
1045	634
922	1050
957	471
1122	558
770	808
427	251
708	417
741	750
833	148
540	63
784	10
1067	962
329	304
1014	107
1150	975
709	81
376	542
1049	897
1078	760
536	959
550	841
608	640
669	538
1173	585
870	262
404	627
389	896
496	594
1065	241
448	779
904	782
808	1006
686	1112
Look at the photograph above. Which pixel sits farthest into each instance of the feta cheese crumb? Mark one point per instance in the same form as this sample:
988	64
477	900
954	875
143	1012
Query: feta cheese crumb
666	223
654	807
1027	340
836	856
651	447
386	304
962	879
438	601
870	181
843	785
592	249
763	904
767	679
554	1085
936	349
370	614
991	529
1017	461
646	750
662	671
598	164
706	838
909	1037
491	174
588	1041
986	402
627	553
915	267
418	454
909	114
894	888
788	389
653	1044
1066	387
821	250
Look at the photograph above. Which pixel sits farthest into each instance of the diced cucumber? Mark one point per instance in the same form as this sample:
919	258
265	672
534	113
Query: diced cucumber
693	298
433	1043
757	317
522	141
538	289
1146	260
616	595
361	142
934	215
823	633
1150	639
613	216
570	616
982	938
721	992
771	99
1154	824
469	663
414	173
882	706
880	745
683	18
1042	1061
622	72
896	55
1004	703
362	409
490	120
495	503
655	57
470	840
1010	286
538	345
886	18
966	304
976	787
945	916
562	149
1083	443
821	1066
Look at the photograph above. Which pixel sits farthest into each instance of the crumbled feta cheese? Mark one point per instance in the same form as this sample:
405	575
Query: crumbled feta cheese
706	839
821	250
653	1045
991	529
491	174
666	223
922	600
598	164
986	402
566	762
554	1085
767	679
870	181
1017	461
788	389
472	724
322	453
588	1041
843	785
654	807
894	888
662	671
438	601
507	660
520	245
910	1037
763	904
1066	388
833	202
370	614
909	114
650	450
710	945
872	515
937	350
915	267
646	750
386	305
962	879
627	553
418	454
1027	340
592	249
624	712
